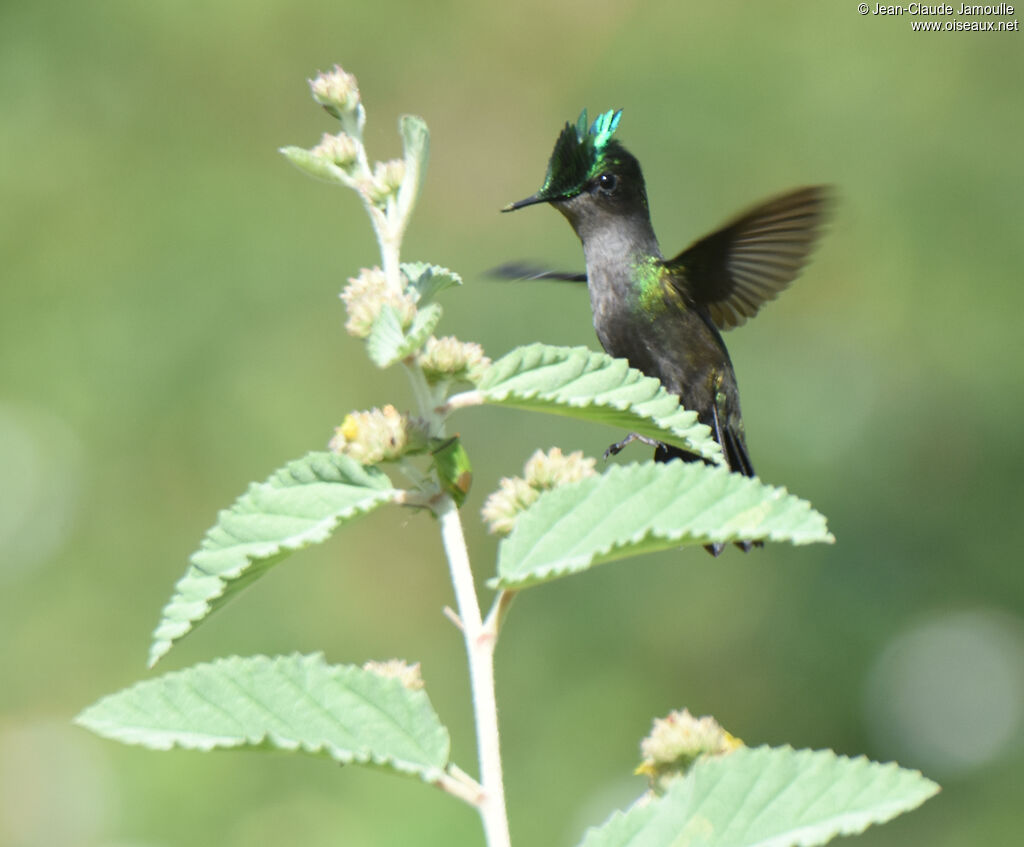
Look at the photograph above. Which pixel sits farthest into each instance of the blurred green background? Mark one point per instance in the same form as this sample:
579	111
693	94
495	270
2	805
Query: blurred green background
170	330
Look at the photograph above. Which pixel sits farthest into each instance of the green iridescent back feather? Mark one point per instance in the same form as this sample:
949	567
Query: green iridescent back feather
580	154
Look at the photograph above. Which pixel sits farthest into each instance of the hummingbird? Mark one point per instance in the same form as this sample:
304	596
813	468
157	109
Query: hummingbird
666	316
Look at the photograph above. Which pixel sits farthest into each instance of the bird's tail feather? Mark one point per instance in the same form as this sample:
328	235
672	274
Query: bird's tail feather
739	462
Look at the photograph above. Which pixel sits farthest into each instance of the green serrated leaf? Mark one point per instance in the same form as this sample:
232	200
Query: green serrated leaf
294	703
386	337
423	326
580	383
640	508
427	280
768	798
299	505
388	344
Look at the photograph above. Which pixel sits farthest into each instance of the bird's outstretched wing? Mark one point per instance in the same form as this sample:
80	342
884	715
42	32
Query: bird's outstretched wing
751	259
523	271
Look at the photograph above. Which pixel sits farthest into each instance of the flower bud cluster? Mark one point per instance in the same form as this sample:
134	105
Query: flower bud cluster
378	435
385	182
341	149
677	741
543	471
408	675
336	90
366	294
504	505
553	469
449	358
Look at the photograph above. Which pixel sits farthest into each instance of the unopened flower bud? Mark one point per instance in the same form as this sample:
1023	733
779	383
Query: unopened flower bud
390	173
386	179
378	435
340	149
408	675
449	358
336	90
552	469
503	506
677	741
366	294
542	472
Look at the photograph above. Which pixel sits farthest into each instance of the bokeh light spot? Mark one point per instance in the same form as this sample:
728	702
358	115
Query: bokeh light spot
40	459
948	695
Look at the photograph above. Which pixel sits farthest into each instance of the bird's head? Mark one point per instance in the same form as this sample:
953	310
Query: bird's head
589	173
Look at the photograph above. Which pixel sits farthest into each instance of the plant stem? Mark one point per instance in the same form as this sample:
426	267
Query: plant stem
480	652
389	251
425	399
460	785
480	641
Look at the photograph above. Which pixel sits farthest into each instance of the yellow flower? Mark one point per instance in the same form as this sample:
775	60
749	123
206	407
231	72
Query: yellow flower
378	435
677	741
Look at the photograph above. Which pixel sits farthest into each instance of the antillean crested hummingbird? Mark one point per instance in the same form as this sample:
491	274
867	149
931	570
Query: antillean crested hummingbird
665	316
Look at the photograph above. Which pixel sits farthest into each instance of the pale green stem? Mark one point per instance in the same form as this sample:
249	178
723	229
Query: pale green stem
426	398
460	785
480	640
389	255
495	618
480	652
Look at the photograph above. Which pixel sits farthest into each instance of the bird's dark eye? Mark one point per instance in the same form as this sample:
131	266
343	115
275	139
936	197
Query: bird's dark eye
608	183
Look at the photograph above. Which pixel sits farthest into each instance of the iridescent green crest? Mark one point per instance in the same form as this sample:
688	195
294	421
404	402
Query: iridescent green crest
580	154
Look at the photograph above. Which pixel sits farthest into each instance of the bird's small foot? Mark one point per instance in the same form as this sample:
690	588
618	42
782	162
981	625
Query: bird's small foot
619	446
746	546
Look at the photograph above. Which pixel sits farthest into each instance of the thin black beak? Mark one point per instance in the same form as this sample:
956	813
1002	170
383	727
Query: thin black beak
529	201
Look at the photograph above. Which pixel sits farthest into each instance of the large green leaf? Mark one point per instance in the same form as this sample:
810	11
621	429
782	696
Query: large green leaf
580	383
294	703
639	508
767	798
299	505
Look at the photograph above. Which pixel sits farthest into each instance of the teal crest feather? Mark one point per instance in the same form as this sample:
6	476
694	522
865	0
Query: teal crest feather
580	153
